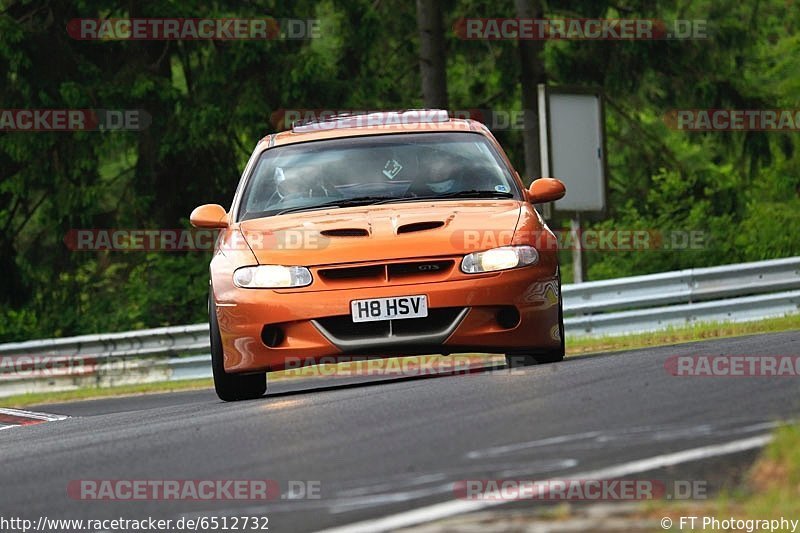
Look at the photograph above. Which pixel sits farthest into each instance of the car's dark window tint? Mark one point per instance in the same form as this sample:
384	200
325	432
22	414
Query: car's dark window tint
406	165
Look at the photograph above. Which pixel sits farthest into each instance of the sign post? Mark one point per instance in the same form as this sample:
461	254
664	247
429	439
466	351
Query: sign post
572	149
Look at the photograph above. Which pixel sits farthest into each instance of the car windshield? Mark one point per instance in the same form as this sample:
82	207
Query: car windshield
373	169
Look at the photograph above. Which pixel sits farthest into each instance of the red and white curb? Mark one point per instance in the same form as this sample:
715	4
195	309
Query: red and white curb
10	418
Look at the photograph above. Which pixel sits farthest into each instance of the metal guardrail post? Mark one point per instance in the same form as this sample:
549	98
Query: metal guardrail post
744	291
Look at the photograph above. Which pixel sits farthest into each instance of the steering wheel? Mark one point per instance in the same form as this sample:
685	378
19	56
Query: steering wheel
305	188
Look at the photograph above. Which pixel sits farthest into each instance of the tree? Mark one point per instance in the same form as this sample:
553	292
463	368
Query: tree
432	54
531	73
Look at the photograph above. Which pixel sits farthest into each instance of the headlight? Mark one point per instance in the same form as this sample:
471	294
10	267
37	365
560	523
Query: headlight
271	277
499	259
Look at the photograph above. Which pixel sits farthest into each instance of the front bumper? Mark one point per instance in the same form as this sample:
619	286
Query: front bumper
313	324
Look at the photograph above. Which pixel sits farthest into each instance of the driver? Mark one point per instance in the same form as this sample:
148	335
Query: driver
440	179
289	188
301	182
441	183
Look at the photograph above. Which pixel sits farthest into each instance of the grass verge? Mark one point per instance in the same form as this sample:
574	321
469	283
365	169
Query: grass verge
677	335
34	398
771	489
575	346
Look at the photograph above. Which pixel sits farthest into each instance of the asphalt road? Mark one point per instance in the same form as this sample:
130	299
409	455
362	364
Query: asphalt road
383	447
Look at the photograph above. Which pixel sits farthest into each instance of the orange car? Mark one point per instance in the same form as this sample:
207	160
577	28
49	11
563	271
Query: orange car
383	234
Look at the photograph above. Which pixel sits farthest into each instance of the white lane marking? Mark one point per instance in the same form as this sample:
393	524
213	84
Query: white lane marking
562	464
372	489
348	501
454	507
501	450
629	435
353	504
6	427
46	417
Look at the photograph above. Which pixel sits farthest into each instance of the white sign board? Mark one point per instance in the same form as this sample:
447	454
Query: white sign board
572	147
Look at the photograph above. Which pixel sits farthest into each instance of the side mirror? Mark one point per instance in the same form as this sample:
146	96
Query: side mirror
546	190
209	216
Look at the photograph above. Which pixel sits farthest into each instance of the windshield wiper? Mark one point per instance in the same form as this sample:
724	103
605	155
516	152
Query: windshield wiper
473	193
372	200
348	202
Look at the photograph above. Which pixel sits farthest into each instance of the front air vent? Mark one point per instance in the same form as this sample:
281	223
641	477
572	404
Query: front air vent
403	272
419	226
345	232
370	272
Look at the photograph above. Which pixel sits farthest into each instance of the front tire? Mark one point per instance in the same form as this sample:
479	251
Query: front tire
542	357
230	387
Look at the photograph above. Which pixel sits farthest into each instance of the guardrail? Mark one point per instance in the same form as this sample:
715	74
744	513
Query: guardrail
746	291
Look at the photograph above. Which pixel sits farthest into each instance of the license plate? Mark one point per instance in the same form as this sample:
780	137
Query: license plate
394	308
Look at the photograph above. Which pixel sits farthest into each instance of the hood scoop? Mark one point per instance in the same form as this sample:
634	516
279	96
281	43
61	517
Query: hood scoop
419	226
345	232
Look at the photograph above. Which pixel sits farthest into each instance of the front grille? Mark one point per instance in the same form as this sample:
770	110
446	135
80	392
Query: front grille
349	273
437	321
433	270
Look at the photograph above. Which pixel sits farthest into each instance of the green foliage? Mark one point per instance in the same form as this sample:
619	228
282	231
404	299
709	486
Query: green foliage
740	189
211	101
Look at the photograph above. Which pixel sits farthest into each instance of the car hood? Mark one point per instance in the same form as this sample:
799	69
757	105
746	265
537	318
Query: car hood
381	232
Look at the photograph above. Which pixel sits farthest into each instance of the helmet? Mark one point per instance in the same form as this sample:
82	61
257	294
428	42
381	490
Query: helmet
442	177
